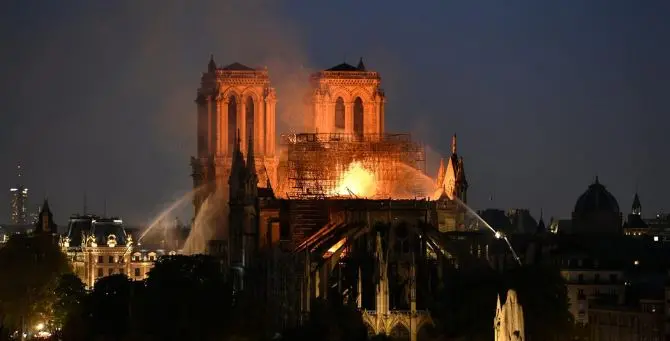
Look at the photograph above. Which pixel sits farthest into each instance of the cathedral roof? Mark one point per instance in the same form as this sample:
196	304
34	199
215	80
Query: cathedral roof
634	221
237	67
344	67
596	199
541	228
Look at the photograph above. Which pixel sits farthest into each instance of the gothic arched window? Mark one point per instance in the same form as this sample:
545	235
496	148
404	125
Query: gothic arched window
232	122
249	118
339	113
358	116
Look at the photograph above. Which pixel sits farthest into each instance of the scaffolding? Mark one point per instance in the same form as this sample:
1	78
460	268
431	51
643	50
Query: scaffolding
316	162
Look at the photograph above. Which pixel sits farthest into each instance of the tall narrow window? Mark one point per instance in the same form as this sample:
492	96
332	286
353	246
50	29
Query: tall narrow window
232	122
339	113
249	119
358	117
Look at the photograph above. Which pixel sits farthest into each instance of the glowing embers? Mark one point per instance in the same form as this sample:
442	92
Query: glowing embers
335	248
357	180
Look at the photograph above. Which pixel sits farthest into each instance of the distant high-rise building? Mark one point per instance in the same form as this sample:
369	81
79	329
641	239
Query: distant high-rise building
19	200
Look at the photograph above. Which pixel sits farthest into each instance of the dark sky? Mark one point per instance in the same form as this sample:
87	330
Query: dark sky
97	96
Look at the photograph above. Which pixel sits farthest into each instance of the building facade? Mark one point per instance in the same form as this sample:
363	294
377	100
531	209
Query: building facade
99	247
233	101
346	99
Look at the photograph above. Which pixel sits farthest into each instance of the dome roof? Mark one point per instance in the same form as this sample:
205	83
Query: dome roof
596	199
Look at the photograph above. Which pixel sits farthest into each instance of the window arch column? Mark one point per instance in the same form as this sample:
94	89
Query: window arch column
349	117
262	126
242	124
222	126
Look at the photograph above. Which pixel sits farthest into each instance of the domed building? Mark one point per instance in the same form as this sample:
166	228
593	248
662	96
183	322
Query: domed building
596	212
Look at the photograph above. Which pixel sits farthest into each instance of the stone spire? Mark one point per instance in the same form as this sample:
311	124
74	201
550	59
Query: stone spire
637	207
541	227
412	285
441	174
359	293
237	168
361	66
382	297
251	157
211	66
453	144
45	223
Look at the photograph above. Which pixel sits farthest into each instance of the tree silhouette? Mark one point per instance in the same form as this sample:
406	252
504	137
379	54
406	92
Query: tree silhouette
30	267
109	306
70	296
543	295
330	320
186	298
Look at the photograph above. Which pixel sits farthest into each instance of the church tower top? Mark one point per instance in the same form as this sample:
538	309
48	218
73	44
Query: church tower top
453	144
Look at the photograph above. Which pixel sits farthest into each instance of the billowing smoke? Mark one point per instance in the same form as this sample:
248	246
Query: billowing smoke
116	83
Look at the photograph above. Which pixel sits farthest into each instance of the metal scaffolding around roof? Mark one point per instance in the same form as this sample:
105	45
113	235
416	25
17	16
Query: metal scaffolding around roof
316	162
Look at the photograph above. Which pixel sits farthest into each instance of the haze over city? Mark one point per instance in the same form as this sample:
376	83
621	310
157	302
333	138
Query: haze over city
97	97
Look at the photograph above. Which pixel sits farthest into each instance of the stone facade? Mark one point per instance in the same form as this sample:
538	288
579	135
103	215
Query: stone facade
346	99
98	247
234	101
509	323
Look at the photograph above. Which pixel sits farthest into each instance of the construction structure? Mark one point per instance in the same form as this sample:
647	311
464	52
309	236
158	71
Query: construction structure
379	166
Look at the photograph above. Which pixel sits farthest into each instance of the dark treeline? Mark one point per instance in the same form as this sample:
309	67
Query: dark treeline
189	298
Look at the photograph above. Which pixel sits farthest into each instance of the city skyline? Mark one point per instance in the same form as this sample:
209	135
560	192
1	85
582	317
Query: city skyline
527	97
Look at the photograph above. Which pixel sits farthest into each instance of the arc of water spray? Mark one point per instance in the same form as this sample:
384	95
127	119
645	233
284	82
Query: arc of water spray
169	209
498	234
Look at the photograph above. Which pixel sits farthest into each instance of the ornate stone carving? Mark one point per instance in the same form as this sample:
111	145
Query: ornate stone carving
508	324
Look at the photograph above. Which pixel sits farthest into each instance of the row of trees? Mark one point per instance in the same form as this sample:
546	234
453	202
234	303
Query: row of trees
188	298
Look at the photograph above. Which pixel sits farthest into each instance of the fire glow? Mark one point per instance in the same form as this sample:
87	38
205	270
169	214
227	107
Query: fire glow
357	180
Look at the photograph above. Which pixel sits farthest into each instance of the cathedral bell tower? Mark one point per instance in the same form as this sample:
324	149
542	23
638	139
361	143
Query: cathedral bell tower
346	99
451	176
45	223
231	99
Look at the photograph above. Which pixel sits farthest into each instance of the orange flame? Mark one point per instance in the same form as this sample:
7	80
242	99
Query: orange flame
357	180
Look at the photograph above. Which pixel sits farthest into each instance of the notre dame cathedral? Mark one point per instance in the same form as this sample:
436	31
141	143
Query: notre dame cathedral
287	237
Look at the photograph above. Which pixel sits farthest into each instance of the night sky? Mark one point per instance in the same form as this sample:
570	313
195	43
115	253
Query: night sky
98	97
